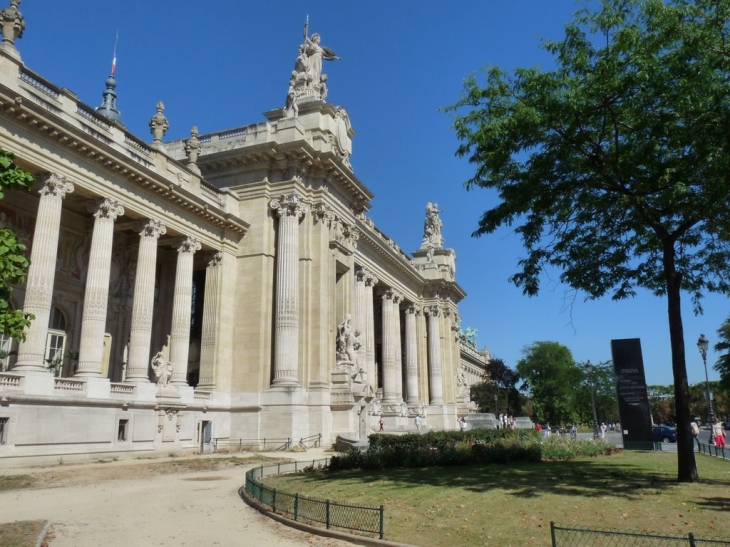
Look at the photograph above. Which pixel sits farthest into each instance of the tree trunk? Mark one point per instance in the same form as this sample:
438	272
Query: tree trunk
686	465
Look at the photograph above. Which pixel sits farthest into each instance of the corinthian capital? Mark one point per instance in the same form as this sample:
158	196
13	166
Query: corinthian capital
433	311
289	205
187	244
55	185
105	208
150	228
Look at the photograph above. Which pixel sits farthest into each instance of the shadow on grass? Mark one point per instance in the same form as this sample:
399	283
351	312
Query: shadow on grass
717	504
597	477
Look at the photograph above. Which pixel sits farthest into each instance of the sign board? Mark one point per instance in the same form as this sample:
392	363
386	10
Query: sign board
633	402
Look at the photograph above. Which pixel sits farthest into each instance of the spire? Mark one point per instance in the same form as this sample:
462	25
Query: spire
108	106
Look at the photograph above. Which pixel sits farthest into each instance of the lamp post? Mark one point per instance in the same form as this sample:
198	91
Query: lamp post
702	344
589	370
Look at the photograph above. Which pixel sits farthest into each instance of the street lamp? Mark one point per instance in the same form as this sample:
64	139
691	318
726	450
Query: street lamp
589	370
702	344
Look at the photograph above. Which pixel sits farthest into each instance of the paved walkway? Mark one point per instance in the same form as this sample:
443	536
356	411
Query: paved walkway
187	509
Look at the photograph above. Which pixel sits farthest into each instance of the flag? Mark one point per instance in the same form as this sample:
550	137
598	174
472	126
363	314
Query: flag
114	60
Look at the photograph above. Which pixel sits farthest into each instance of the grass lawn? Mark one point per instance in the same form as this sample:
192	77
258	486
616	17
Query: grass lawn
22	533
512	505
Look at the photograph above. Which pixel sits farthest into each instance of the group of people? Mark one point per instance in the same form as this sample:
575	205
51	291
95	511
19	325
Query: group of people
505	421
717	431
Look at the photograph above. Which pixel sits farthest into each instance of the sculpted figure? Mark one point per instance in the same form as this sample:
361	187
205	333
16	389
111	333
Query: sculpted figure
316	54
162	369
432	226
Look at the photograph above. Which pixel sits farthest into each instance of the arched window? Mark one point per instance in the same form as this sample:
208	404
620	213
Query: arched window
56	341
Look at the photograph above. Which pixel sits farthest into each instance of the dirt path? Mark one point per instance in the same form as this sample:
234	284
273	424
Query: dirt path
132	504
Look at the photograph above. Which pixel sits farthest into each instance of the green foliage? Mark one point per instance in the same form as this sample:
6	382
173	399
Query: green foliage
477	446
551	376
497	392
604	385
723	362
613	167
13	263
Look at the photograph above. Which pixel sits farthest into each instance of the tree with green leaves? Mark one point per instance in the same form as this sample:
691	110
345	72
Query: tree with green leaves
550	375
604	389
13	263
723	362
497	392
615	165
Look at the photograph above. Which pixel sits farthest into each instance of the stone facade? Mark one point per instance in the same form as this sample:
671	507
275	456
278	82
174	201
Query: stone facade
191	291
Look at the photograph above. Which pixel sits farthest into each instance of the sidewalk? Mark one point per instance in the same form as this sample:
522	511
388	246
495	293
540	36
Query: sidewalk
180	509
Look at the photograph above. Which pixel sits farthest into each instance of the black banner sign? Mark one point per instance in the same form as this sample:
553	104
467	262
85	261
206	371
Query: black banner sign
633	402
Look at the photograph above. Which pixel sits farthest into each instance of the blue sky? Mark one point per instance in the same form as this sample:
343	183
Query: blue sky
222	64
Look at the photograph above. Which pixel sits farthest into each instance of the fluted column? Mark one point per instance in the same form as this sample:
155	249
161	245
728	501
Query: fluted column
96	295
412	395
370	282
359	320
388	340
397	299
286	353
140	334
181	306
211	302
41	273
434	354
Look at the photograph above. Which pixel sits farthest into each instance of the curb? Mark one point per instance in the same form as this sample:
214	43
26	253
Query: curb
44	532
335	534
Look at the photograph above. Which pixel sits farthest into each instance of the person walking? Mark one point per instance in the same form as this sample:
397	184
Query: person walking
418	423
695	434
462	423
719	432
382	423
603	430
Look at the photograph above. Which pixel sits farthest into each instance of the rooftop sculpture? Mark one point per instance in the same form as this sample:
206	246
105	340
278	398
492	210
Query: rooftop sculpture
307	80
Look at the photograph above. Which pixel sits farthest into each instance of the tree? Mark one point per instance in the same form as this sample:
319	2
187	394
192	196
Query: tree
13	263
551	376
615	165
497	392
604	388
723	362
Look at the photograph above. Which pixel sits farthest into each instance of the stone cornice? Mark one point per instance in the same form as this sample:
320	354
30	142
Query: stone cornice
89	135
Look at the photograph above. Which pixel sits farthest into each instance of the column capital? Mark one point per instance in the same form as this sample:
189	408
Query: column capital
412	309
289	206
215	259
433	310
187	245
361	274
397	297
55	185
150	228
105	208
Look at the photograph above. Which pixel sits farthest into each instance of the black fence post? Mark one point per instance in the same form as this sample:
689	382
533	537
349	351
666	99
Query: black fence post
552	534
296	505
692	540
382	521
327	513
278	468
273	500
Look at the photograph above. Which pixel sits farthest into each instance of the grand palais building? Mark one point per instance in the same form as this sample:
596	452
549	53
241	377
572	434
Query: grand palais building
219	290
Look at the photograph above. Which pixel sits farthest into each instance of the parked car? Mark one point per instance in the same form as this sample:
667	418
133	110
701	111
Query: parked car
664	434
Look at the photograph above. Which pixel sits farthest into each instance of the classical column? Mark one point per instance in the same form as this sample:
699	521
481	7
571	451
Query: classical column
286	353
370	282
41	273
140	334
181	305
211	302
397	299
411	355
359	320
434	354
96	296
390	394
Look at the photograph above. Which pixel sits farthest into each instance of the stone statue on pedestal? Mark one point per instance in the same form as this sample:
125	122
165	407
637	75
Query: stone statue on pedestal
307	80
162	368
432	228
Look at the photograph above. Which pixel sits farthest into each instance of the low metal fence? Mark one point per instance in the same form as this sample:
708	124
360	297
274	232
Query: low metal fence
713	450
333	514
265	445
563	536
313	441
